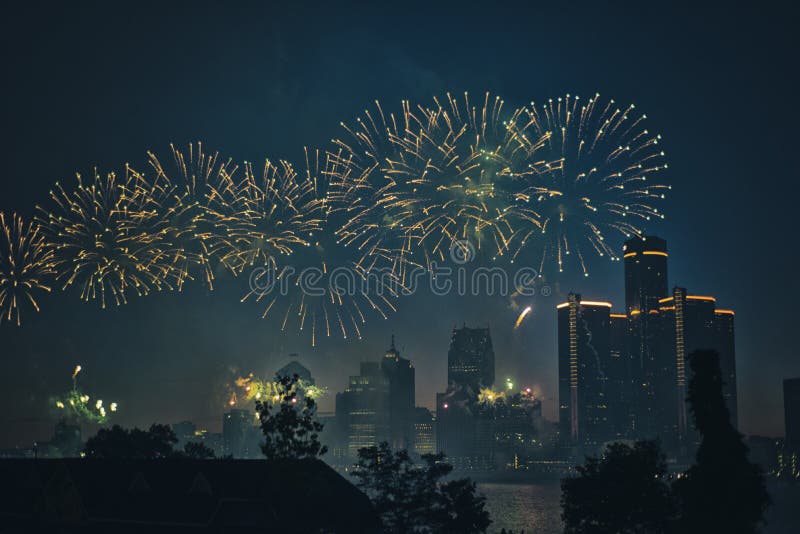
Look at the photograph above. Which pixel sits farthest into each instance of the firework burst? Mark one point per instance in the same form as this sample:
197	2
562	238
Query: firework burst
597	179
80	407
426	180
188	196
296	269
26	266
100	236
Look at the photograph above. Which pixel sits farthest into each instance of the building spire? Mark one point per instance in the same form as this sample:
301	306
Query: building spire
393	342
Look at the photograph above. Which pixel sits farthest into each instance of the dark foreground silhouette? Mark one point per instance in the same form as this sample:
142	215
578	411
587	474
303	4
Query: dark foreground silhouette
179	495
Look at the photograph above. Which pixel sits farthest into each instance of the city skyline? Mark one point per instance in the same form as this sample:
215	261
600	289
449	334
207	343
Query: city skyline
157	355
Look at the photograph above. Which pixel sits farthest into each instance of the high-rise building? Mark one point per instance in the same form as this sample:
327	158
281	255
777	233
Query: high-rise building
618	385
462	433
645	273
470	360
424	431
791	413
645	283
362	409
725	344
584	365
400	374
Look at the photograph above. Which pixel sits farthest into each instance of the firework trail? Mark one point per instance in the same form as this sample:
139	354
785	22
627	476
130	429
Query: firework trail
26	266
522	316
100	237
596	179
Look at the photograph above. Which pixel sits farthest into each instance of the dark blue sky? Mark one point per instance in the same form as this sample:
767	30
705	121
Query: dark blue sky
99	84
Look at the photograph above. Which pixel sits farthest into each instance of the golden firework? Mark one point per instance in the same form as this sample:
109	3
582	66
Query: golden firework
26	266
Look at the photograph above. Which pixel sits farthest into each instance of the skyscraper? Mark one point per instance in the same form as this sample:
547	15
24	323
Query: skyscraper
725	344
400	374
584	365
618	385
645	283
791	413
645	273
362	410
470	360
424	434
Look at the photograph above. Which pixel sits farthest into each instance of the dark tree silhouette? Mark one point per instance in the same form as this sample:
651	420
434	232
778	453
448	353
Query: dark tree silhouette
412	498
197	451
289	423
723	491
624	491
116	442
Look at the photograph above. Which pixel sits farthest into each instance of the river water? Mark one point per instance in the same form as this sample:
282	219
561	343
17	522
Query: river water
535	508
532	507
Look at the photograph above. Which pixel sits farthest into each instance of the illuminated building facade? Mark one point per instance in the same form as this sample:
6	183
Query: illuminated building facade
424	431
626	375
584	368
470	360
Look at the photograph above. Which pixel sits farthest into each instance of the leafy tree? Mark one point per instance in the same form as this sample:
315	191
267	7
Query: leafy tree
198	451
117	442
289	423
723	491
624	491
412	498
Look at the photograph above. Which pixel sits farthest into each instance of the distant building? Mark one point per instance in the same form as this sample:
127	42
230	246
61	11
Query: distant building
424	431
400	374
362	410
296	368
378	405
645	273
240	435
462	433
466	437
791	414
584	366
185	431
470	360
645	261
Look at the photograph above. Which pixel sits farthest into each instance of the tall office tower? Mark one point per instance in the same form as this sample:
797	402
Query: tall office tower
619	387
584	364
687	323
362	410
645	273
400	374
725	344
791	414
645	283
424	434
470	361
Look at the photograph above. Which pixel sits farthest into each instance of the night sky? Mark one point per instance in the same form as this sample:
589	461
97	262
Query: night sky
98	85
